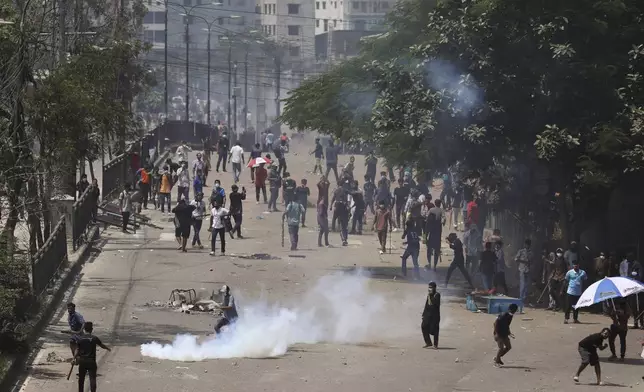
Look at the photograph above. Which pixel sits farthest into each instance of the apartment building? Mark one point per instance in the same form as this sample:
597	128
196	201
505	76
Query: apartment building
364	15
290	23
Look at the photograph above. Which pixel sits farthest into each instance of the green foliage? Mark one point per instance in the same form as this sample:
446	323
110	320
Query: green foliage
476	81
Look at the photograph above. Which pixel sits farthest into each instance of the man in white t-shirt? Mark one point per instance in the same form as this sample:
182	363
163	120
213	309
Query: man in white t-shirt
183	182
218	227
237	158
182	152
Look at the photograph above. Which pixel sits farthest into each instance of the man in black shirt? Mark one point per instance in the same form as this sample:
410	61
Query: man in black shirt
82	185
588	352
84	348
289	187
183	216
222	149
359	209
431	316
236	209
401	193
319	155
458	261
302	194
502	333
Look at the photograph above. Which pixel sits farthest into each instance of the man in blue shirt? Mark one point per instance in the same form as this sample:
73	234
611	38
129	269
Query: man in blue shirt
74	319
574	280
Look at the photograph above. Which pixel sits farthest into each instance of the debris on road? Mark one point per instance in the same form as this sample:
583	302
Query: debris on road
53	357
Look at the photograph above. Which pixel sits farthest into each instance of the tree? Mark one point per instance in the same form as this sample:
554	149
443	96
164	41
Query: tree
520	84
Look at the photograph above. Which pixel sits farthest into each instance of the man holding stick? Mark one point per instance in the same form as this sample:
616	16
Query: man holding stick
84	348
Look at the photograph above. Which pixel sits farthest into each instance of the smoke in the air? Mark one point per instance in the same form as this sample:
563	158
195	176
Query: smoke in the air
339	308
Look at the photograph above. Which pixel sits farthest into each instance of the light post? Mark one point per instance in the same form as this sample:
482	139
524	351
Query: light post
187	12
235	100
209	30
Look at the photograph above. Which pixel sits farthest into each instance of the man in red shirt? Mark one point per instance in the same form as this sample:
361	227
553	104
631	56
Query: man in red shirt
260	181
473	212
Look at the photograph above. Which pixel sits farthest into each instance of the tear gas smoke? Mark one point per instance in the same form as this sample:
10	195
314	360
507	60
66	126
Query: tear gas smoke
441	75
340	308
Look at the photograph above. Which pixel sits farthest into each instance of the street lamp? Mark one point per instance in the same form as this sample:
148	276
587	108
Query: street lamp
186	12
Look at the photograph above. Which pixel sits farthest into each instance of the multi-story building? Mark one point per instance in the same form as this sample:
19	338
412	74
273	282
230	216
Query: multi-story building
350	15
290	23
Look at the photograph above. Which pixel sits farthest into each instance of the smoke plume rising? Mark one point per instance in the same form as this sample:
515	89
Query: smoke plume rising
339	308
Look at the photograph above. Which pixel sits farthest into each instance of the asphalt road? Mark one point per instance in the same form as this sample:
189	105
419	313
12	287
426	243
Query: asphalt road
378	351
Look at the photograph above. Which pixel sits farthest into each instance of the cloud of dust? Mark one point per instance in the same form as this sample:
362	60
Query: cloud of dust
339	308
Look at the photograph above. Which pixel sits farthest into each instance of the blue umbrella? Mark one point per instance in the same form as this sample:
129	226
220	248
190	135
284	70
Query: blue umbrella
608	288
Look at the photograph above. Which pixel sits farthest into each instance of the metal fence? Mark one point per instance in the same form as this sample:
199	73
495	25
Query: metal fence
47	261
83	212
116	173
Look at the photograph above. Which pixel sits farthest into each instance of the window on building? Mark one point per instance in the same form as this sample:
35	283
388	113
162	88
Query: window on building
317	5
265	8
360	25
326	25
187	2
241	3
335	4
258	9
159	17
293	9
317	23
148	36
149	17
294	51
356	5
159	36
274	9
324	5
363	6
384	5
293	30
335	23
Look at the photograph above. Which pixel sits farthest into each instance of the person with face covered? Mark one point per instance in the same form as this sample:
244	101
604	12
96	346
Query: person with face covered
574	281
555	278
218	194
431	317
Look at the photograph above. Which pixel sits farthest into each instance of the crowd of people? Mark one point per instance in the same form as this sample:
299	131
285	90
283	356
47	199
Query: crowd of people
408	207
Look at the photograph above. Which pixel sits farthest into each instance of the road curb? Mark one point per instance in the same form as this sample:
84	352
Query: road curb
51	303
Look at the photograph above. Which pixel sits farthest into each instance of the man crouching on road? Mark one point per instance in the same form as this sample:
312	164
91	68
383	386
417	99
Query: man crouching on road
74	319
228	307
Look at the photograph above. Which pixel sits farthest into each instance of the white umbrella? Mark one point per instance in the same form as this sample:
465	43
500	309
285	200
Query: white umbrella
609	288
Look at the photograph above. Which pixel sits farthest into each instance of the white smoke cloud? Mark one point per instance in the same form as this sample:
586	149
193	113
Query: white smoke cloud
340	308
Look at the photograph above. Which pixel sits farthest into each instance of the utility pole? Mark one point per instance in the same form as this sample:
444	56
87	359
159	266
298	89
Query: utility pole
235	101
230	76
278	70
187	68
208	103
165	77
246	92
